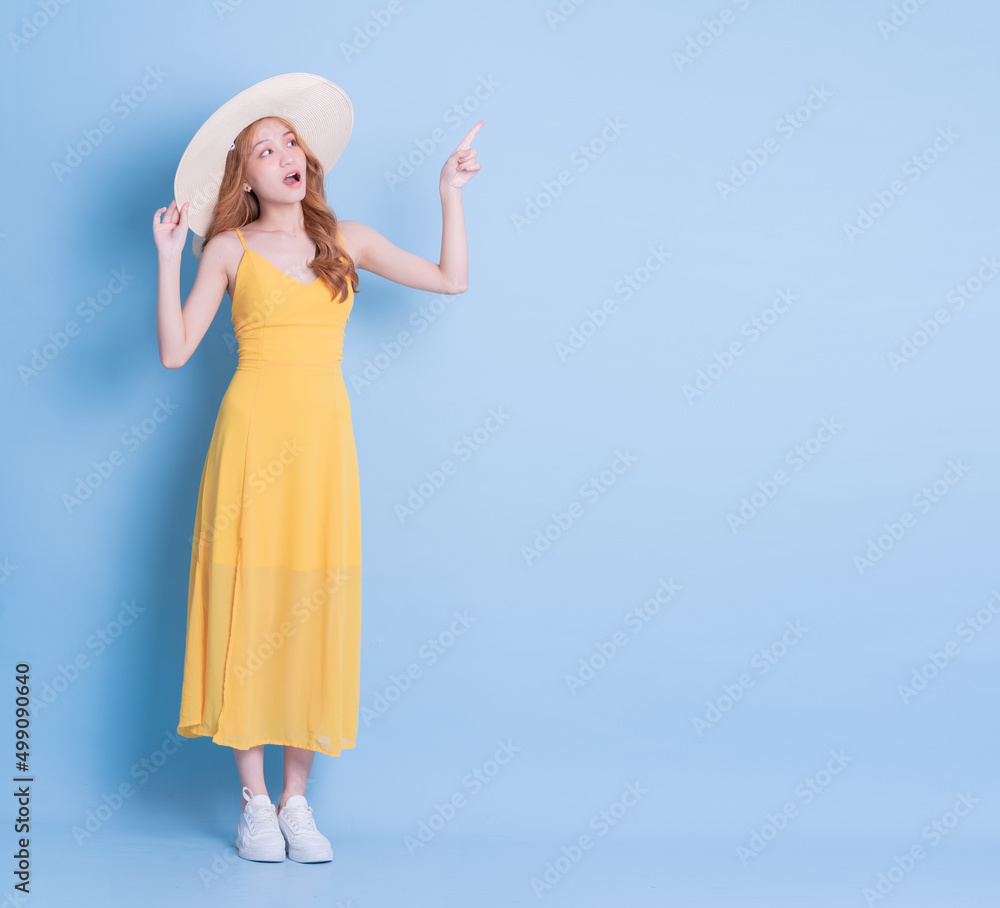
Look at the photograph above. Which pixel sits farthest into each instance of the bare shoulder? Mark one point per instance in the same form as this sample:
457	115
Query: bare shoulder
349	228
222	254
224	244
358	240
352	233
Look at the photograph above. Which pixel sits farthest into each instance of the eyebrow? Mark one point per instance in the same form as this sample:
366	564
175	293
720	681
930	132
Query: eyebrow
287	132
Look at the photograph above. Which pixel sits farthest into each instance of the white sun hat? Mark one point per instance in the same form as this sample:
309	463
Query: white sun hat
320	111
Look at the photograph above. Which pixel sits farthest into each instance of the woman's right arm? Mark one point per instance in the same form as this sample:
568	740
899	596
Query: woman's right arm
180	330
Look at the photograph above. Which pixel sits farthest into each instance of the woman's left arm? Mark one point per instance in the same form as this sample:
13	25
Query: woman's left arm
373	252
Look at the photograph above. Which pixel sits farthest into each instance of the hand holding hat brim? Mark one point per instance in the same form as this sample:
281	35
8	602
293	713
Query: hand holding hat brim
170	233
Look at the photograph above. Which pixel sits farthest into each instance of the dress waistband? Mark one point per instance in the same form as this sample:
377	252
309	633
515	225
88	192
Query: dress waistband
293	345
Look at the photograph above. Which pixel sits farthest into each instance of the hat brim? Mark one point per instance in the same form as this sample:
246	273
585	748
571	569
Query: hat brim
320	111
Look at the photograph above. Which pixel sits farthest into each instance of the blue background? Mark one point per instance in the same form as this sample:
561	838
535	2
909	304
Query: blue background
540	260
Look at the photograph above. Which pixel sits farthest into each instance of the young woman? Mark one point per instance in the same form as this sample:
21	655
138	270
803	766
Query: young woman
274	604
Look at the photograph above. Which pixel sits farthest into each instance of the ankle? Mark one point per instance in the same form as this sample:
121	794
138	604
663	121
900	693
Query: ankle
285	795
244	801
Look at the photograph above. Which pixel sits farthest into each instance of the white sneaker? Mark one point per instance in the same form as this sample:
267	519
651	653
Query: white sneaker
257	835
306	844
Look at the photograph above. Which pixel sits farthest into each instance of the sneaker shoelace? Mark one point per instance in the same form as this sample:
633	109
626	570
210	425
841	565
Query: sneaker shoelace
264	818
301	820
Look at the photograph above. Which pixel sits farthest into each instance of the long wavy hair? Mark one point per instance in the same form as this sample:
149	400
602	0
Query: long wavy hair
236	208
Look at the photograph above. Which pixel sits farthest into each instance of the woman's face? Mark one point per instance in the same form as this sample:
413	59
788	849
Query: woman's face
274	155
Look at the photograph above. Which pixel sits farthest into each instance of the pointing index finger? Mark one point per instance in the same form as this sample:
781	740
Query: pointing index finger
464	144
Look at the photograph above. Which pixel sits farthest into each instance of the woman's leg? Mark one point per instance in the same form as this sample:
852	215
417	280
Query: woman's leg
250	766
298	764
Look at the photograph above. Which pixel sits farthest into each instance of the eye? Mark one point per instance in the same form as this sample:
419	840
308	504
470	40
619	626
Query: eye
268	149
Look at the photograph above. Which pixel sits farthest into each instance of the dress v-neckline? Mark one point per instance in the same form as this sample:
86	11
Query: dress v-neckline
275	267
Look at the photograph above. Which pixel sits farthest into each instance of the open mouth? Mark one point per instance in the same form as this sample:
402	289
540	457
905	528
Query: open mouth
293	179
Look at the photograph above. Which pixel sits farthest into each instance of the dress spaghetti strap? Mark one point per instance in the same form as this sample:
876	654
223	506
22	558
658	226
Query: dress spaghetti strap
243	241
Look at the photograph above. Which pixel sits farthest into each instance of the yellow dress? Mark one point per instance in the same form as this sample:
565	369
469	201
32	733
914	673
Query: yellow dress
274	602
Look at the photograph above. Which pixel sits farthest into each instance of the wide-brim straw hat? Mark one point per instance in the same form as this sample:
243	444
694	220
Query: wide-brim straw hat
319	110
